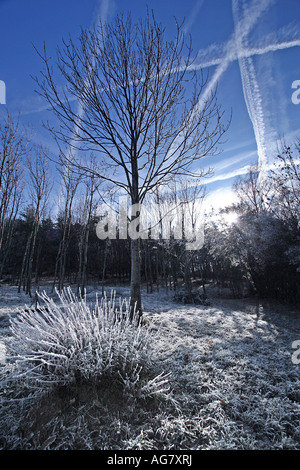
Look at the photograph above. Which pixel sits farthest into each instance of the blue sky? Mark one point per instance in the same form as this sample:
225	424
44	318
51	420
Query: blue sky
251	48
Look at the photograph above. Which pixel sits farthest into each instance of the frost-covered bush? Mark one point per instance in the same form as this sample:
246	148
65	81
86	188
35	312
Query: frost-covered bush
70	343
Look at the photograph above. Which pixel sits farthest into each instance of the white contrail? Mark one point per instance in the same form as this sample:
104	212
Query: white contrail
193	15
237	48
232	52
231	49
247	52
251	90
102	12
100	15
245	170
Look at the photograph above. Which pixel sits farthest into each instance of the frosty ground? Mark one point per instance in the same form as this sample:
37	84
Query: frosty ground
233	384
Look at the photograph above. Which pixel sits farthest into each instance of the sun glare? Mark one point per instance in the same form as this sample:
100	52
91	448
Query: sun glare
231	218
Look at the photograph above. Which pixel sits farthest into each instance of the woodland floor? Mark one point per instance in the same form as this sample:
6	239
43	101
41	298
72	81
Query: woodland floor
233	383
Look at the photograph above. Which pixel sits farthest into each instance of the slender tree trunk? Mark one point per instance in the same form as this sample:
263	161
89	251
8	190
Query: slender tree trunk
63	247
10	227
24	262
136	303
85	258
37	263
104	264
79	275
149	266
164	266
30	260
135	283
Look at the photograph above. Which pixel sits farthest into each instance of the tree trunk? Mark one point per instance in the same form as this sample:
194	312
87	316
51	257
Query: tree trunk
149	266
31	254
24	262
135	283
135	287
104	263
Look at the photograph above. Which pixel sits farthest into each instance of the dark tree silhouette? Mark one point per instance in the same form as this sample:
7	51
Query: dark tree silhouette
140	109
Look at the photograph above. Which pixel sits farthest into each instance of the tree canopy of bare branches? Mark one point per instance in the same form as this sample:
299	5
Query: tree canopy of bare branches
140	111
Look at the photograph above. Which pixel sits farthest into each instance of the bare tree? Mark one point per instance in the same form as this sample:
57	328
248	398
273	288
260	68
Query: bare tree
285	179
70	182
253	195
192	194
40	187
8	227
141	108
87	205
13	146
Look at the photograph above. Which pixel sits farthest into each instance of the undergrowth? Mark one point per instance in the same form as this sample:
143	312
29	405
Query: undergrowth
81	376
71	362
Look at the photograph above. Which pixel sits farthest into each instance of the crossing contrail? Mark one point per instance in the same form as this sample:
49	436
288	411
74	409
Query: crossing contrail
251	91
237	49
246	52
232	51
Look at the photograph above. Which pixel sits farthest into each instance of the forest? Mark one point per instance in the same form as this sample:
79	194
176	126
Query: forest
254	253
123	333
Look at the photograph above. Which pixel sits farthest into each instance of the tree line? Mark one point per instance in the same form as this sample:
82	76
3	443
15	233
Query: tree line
255	253
262	250
144	119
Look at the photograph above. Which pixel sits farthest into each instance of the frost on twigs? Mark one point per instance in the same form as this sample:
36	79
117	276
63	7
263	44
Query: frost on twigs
72	344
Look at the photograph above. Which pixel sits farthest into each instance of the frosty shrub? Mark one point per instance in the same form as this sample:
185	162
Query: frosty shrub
70	343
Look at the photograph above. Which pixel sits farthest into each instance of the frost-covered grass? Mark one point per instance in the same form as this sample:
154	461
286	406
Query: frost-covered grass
232	385
69	343
235	379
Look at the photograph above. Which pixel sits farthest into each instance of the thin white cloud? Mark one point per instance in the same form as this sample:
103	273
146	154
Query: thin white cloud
252	94
102	11
193	16
270	48
218	199
233	48
230	174
100	16
239	49
217	55
232	161
244	170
